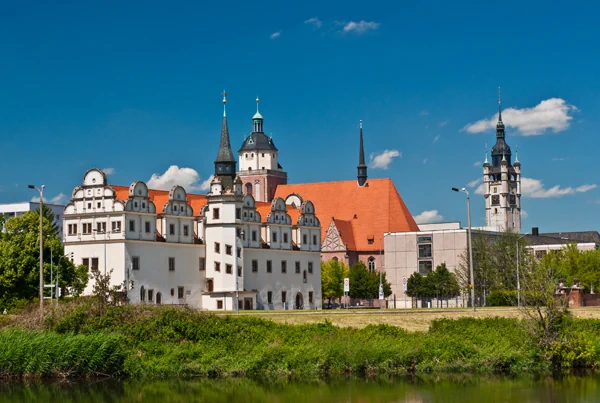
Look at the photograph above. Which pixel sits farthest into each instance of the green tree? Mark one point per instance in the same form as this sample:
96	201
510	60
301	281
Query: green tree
365	284
19	259
333	273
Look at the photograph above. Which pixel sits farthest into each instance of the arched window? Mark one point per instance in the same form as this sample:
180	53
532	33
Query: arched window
248	188
371	264
335	258
209	284
158	298
142	294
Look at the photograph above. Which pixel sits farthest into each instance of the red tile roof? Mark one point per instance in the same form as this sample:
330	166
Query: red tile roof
359	212
161	197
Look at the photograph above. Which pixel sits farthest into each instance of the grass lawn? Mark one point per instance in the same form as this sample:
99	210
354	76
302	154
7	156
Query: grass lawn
411	320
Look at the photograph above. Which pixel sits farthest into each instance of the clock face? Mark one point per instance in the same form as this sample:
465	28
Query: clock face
220	169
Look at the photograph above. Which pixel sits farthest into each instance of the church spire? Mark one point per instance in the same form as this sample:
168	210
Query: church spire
362	167
225	163
500	124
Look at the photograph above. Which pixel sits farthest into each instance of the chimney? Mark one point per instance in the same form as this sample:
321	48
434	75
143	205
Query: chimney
535	231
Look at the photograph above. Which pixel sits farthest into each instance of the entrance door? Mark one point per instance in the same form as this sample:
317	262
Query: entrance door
158	298
248	304
299	302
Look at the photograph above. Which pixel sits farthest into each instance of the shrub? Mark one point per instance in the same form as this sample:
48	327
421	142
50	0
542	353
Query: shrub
502	298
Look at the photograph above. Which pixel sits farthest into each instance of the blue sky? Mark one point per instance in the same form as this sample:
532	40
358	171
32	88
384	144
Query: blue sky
136	88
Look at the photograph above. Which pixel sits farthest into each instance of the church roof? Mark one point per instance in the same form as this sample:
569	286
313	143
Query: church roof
161	197
371	210
258	141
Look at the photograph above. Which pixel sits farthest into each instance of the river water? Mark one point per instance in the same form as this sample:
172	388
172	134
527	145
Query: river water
427	390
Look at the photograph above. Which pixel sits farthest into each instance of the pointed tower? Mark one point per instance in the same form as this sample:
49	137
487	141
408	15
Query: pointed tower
260	170
362	167
225	164
502	184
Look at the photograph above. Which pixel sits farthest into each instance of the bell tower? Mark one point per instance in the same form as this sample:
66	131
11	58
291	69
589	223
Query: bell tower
260	170
502	184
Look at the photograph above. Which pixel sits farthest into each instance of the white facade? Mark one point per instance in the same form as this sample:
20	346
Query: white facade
208	260
10	210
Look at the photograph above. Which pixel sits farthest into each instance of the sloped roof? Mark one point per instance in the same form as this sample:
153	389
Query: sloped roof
264	208
161	197
377	206
579	236
346	233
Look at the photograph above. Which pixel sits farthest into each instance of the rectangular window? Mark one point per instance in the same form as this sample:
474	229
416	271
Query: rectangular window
135	263
285	237
98	204
283	297
228	250
255	266
310	267
216	214
87	228
297	267
171	229
539	254
310	297
220	304
100	227
171	264
269	266
239	252
314	239
180	292
94	263
283	266
217	247
116	226
217	266
147	225
421	239
150	295
304	239
85	262
425	267
425	250
274	236
253	236
228	269
238	213
186	230
131	225
89	206
239	273
201	264
269	297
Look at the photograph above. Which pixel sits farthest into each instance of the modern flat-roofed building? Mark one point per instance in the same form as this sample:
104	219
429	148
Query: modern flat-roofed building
10	210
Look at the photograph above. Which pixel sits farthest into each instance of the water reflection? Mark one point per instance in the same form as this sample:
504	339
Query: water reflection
382	390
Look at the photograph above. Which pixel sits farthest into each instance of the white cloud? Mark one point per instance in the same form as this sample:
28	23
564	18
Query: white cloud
474	183
424	112
436	138
535	188
275	35
443	123
550	114
186	177
524	214
58	199
558	159
383	159
109	171
360	27
425	161
585	188
315	22
428	216
478	164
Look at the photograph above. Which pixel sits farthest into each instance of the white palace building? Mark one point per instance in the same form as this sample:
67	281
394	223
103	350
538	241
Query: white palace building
203	251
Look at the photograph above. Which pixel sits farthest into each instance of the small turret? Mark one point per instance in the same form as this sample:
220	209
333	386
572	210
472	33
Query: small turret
362	167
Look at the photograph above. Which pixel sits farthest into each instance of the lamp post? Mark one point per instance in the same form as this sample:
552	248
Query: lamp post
518	277
381	269
97	231
41	247
472	278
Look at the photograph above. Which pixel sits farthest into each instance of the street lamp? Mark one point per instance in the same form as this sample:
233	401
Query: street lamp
472	278
41	248
381	270
97	231
518	277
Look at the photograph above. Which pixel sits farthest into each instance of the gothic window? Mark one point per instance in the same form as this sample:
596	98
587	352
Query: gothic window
335	258
371	264
495	200
142	294
248	188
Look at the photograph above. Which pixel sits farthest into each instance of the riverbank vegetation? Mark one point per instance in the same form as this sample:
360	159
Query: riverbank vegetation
81	339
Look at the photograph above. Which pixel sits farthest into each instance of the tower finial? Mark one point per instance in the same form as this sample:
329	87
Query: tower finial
517	155
499	107
361	123
224	103
486	154
257	101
